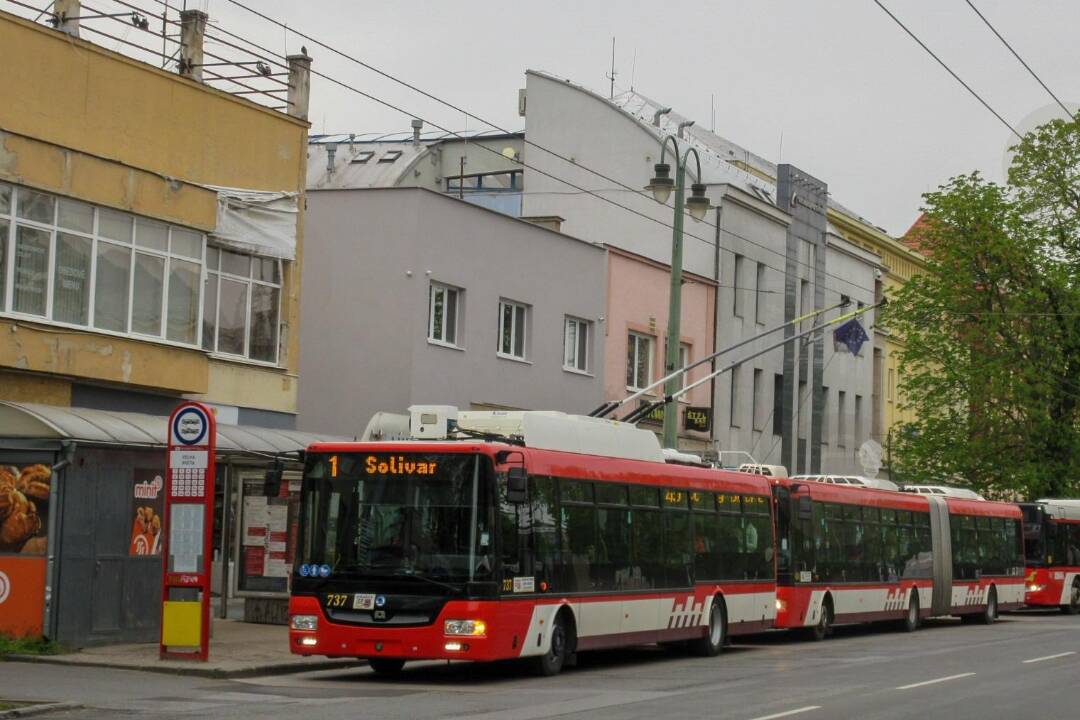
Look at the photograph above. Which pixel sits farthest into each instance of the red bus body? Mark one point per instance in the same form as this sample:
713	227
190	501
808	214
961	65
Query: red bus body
1052	534
517	623
889	595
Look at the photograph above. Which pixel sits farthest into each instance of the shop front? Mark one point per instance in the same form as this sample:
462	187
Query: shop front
81	522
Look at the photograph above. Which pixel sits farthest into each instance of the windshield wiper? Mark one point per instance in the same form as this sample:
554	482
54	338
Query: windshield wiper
439	583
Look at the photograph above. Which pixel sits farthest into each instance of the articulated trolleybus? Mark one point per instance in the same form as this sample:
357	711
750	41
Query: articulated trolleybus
530	535
1052	542
850	554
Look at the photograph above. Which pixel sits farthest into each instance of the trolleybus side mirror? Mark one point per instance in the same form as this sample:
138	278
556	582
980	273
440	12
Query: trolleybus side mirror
272	480
516	484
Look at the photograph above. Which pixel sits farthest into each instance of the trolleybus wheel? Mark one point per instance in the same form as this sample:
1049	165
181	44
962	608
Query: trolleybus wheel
551	662
386	666
1073	607
824	627
912	620
989	615
713	642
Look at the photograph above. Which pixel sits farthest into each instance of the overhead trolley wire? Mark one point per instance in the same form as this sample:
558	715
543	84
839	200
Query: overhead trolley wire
1027	67
948	69
555	154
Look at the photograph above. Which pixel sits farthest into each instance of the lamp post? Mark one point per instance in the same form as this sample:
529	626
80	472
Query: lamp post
662	186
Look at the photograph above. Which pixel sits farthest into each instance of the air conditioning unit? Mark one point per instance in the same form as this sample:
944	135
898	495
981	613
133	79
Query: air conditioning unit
431	422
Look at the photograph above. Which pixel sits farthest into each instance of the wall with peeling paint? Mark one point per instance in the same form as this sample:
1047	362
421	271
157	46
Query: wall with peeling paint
92	124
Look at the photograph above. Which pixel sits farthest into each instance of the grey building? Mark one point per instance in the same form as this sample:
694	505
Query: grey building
768	265
412	296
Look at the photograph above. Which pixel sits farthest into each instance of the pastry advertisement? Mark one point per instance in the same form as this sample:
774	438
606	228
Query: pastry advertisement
24	508
147	506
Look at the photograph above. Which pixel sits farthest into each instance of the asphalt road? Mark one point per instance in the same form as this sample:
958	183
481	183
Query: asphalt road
1025	666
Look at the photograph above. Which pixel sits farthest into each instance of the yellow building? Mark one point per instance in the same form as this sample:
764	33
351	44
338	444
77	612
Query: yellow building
901	263
119	287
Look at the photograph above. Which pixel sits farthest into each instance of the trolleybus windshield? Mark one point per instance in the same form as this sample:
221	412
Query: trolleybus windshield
380	515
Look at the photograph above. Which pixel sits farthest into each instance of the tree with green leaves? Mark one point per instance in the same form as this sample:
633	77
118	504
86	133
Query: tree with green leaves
991	332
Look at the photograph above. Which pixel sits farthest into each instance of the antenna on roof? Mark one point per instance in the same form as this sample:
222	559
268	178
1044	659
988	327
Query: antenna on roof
611	77
712	103
633	71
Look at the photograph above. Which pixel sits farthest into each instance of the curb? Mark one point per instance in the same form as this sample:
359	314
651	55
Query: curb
207	672
39	709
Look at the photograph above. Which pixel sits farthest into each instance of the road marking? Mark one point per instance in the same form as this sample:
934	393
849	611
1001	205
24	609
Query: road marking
796	711
933	682
1049	657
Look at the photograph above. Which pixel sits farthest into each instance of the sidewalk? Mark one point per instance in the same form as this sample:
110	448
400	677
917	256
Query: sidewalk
237	649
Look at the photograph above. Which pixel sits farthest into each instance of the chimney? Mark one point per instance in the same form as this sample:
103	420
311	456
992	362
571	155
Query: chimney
417	124
299	84
331	153
551	222
192	32
682	128
65	9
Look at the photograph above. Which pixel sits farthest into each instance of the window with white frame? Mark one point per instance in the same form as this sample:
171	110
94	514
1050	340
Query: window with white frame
576	336
444	305
71	263
639	360
513	319
683	361
242	306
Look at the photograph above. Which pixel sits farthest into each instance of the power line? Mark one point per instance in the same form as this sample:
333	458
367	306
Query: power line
948	69
553	153
1017	56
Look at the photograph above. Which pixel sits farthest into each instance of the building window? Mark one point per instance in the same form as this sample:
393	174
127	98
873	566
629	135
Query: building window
443	313
758	400
737	288
890	386
759	295
639	361
824	414
684	360
841	419
242	307
733	410
72	263
512	328
858	420
485	182
777	404
576	336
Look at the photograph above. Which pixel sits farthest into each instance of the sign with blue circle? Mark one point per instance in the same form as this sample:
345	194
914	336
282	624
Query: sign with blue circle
190	426
324	571
380	600
303	570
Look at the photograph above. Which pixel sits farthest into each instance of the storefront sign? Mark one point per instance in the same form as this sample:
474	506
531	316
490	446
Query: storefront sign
25	491
655	416
22	590
189	504
698	419
147	508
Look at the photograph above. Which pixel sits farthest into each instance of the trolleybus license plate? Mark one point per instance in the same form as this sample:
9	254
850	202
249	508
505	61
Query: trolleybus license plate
363	601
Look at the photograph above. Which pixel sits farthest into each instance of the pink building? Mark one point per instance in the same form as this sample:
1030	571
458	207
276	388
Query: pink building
635	330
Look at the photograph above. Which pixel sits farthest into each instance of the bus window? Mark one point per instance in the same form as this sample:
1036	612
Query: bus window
678	570
612	570
646	531
542	516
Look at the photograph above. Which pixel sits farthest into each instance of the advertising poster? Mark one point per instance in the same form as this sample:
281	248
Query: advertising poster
267	536
24	508
147	506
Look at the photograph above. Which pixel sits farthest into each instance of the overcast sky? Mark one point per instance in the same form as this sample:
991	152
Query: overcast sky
857	102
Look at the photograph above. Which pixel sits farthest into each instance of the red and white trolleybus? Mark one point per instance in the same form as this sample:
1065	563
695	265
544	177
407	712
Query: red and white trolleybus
1052	544
849	554
537	536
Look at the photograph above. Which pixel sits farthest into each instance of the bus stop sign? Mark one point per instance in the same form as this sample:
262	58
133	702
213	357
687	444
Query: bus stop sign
189	506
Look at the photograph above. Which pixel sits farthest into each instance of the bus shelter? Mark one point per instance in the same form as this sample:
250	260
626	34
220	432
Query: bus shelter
81	522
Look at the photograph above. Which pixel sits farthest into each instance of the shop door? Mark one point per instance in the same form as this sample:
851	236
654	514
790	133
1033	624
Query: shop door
109	588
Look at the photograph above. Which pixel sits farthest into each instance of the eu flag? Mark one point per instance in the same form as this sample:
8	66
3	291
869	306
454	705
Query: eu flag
851	335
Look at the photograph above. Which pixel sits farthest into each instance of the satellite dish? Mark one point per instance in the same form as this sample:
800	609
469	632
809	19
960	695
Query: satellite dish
1032	120
870	458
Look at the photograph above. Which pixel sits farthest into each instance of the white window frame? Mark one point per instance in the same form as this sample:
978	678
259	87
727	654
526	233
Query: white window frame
251	282
97	241
890	387
518	331
637	338
437	287
582	341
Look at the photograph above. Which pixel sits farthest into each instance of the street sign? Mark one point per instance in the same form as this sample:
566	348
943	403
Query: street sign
189	513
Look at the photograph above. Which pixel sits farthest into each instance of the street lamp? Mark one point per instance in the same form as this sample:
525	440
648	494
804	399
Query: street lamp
661	187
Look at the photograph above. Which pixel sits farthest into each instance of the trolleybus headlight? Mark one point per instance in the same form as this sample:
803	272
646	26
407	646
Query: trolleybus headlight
309	641
781	606
304	622
1035	588
465	627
